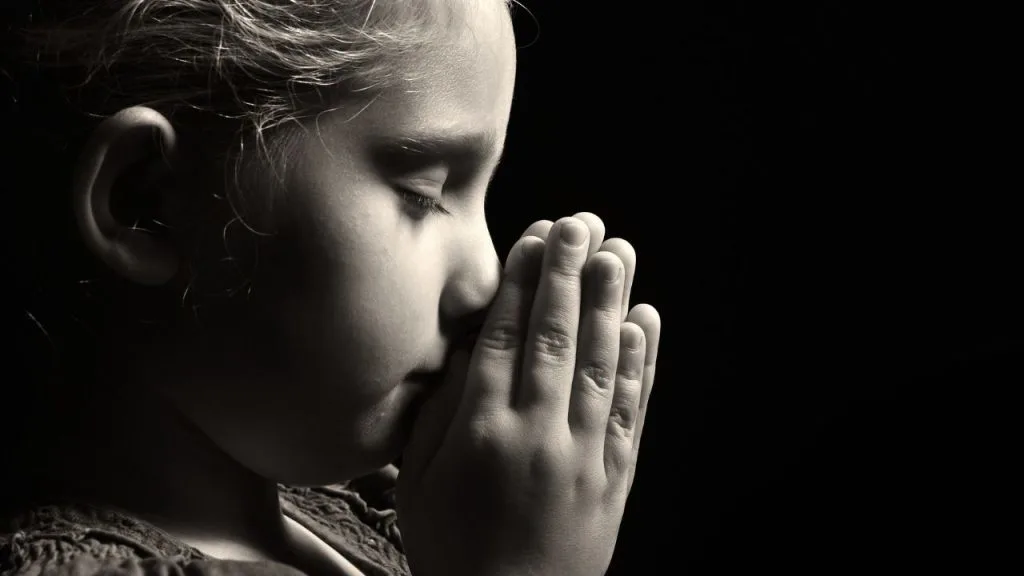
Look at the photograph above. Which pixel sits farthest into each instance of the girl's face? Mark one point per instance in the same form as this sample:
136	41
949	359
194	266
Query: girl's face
362	289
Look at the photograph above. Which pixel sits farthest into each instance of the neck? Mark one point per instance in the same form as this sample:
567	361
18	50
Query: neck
145	458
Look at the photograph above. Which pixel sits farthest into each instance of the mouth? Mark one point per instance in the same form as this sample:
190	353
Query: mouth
433	379
429	381
426	385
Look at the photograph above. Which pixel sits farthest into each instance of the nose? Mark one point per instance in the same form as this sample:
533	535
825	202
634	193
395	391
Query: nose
474	280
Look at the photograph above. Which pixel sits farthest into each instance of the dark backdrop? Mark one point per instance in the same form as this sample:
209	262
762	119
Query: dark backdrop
823	201
814	191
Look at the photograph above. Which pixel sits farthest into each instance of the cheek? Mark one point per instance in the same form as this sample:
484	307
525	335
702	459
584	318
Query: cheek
341	310
353	294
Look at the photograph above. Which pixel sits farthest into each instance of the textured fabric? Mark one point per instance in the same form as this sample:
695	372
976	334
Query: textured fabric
78	540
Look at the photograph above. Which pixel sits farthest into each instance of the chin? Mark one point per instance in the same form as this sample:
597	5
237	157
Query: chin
308	454
321	475
360	461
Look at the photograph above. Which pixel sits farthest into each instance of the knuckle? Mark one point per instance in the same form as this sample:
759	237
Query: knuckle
597	379
555	341
490	434
591	483
552	458
621	420
502	335
626	403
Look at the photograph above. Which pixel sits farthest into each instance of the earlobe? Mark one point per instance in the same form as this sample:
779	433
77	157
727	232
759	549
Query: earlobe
133	135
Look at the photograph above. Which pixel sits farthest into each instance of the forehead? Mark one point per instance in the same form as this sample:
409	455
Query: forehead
460	87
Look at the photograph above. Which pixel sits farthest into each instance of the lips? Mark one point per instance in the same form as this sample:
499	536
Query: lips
428	380
433	379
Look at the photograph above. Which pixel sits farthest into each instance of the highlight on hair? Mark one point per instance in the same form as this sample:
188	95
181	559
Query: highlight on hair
241	76
260	60
238	79
264	63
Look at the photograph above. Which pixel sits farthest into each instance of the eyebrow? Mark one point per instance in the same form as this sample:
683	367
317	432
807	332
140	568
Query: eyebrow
466	148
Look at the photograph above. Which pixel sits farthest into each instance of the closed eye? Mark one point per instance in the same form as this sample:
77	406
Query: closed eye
422	203
462	157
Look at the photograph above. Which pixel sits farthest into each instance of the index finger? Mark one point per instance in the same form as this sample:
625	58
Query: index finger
497	354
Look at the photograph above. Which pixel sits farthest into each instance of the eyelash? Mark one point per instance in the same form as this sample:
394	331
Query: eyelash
422	202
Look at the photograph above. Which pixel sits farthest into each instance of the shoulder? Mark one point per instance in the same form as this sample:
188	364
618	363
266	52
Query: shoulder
70	535
357	519
77	540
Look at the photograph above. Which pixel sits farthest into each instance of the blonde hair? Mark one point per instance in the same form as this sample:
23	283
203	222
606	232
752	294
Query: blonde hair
260	64
233	75
262	61
231	69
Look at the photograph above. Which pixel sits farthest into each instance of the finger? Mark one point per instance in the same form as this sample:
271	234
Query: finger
436	415
622	420
624	250
496	358
597	230
598	350
549	356
540	229
647	318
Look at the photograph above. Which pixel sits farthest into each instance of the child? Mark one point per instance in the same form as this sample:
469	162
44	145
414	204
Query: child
286	201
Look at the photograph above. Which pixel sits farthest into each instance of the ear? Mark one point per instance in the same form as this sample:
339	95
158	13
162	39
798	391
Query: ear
133	136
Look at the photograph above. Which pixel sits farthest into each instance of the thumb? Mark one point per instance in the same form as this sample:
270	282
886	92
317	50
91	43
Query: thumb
435	417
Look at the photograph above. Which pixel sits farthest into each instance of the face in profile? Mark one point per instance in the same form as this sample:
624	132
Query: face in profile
382	259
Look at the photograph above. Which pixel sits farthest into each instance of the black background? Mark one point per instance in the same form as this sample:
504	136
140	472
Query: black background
822	202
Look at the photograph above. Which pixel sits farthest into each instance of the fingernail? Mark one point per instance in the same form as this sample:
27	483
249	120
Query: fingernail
573	232
613	278
632	340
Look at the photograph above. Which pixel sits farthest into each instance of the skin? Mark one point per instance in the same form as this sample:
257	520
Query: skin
312	379
527	460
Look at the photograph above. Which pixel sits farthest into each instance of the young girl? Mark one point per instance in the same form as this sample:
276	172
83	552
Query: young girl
295	286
